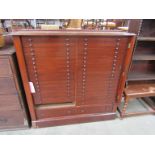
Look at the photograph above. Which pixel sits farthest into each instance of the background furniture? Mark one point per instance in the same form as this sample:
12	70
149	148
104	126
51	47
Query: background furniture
142	68
141	76
73	76
12	108
85	24
140	90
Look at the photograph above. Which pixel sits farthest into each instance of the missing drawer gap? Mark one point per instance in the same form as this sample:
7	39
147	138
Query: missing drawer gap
56	105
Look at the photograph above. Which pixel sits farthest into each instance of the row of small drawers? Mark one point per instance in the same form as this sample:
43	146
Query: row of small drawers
11	111
9	99
5	68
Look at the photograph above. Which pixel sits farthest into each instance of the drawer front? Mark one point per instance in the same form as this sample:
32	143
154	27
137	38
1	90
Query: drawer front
7	86
5	69
99	68
50	64
68	111
9	102
11	119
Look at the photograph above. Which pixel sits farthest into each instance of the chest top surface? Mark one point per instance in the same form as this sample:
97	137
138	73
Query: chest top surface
70	33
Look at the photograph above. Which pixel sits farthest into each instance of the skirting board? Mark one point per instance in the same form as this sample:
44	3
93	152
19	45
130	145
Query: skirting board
72	119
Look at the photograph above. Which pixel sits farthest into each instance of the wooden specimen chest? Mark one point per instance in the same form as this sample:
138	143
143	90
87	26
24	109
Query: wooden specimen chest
73	76
12	110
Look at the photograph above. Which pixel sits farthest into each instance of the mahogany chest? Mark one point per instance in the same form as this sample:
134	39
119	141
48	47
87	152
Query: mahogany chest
12	109
73	76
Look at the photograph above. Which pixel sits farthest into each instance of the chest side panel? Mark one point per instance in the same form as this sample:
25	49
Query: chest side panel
50	63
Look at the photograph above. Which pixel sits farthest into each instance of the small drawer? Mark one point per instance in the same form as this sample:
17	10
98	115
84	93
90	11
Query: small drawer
71	111
9	102
11	119
5	69
7	86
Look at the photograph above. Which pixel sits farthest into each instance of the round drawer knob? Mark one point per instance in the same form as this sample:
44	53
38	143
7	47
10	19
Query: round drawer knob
85	53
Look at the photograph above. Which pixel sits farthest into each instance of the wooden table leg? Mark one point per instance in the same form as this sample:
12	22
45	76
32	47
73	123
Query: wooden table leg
124	107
